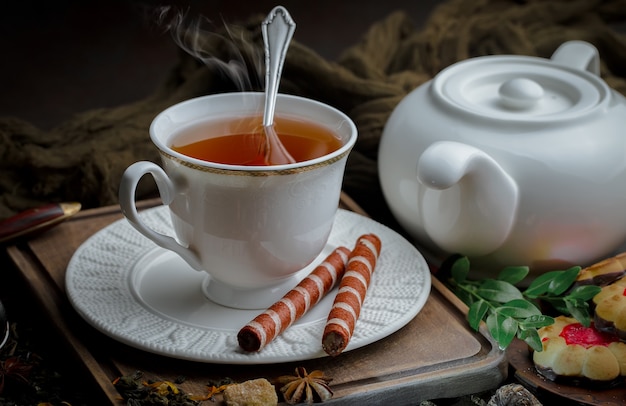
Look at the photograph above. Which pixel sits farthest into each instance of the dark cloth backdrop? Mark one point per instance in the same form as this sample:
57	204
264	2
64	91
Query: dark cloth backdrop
83	158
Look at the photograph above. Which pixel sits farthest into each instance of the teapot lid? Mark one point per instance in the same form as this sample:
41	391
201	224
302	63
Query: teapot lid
520	88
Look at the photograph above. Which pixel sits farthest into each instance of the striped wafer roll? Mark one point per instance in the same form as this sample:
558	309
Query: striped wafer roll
352	290
277	318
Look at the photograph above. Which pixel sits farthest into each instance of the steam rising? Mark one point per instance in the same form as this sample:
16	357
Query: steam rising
238	58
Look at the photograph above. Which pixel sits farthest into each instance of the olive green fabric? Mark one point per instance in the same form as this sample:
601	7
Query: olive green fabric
84	158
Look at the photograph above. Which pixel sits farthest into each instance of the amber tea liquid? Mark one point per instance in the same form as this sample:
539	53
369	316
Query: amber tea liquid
241	141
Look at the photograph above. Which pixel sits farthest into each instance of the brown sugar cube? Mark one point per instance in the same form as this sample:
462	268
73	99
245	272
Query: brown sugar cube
256	392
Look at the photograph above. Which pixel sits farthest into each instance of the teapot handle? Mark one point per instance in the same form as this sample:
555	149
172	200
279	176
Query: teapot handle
578	54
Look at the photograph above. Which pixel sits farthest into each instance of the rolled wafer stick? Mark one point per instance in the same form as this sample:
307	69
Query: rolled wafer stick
277	318
352	290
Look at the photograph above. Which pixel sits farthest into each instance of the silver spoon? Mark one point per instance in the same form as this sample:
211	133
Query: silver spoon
277	28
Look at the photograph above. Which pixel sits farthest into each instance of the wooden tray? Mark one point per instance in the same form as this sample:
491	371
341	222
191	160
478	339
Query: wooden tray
436	355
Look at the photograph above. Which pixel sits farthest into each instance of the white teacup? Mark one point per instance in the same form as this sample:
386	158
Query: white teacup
251	228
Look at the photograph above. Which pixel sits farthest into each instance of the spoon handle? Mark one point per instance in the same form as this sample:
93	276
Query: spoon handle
277	28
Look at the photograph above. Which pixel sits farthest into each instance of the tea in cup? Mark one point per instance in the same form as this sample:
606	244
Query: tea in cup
249	225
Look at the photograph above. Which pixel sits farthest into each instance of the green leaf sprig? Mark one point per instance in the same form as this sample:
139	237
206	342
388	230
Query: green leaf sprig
509	312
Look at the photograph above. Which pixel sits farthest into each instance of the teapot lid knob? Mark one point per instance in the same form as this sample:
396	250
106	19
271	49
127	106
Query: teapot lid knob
520	89
520	93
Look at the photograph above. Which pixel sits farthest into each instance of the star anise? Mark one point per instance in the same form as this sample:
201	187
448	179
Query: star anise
304	387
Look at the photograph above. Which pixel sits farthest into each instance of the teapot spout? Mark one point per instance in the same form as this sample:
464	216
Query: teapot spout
469	203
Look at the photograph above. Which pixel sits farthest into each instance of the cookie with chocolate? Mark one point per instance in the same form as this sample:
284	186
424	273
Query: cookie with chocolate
604	272
610	309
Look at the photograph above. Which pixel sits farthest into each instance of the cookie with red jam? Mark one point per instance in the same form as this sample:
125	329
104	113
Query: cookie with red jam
579	354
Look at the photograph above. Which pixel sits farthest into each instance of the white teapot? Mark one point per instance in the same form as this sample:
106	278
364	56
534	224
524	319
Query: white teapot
511	160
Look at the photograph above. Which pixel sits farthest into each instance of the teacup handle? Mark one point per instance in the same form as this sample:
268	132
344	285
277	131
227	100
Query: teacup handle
167	190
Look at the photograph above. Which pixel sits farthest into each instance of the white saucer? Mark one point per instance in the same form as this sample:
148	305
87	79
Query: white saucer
147	297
